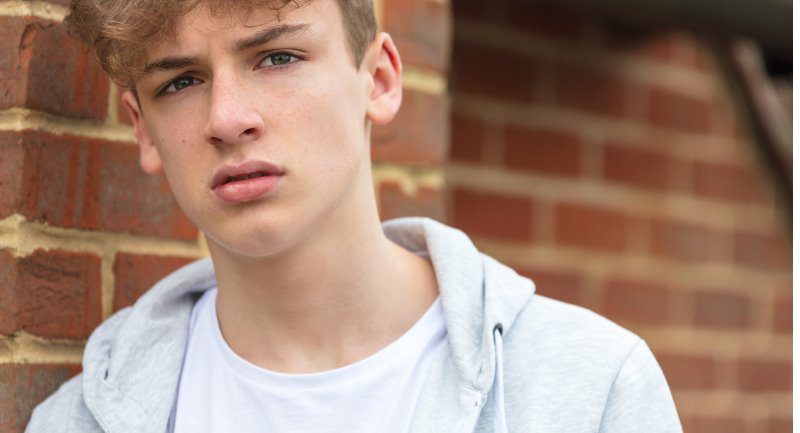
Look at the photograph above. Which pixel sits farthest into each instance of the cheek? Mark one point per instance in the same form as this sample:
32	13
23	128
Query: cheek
180	160
315	121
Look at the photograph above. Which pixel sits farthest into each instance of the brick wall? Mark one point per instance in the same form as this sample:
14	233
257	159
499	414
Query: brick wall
83	231
613	169
607	167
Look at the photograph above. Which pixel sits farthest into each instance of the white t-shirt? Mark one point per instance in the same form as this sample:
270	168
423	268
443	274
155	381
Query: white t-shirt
221	392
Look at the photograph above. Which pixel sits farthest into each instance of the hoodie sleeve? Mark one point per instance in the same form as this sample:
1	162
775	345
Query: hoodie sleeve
64	411
640	399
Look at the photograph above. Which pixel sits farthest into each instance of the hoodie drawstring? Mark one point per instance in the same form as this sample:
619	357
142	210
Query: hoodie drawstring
499	393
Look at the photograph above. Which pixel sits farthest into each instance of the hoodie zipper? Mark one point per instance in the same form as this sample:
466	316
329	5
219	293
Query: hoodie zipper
472	402
471	405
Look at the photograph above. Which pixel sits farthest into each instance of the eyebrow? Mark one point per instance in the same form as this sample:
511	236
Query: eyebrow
268	34
260	38
169	63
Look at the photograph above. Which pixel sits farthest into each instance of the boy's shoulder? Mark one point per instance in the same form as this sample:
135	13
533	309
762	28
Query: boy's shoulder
64	411
550	318
570	333
565	362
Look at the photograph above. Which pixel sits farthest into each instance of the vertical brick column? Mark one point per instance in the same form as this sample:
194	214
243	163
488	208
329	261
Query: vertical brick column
612	170
409	153
83	231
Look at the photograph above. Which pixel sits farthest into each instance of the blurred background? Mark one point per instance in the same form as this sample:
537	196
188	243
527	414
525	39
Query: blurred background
633	158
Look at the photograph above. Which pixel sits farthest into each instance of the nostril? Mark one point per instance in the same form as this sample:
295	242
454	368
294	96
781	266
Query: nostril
249	131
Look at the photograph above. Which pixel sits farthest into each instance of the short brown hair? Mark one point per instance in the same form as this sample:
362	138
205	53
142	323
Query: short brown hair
120	30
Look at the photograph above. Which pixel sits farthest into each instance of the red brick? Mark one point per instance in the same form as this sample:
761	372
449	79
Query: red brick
494	72
421	30
131	201
492	215
687	242
674	48
780	425
12	159
122	113
762	251
680	112
688	372
636	301
60	2
13	70
473	9
726	182
394	203
559	21
46	70
591	227
22	387
543	151
419	134
75	182
52	294
134	274
662	48
592	91
565	286
758	375
782	313
714	424
640	168
466	139
723	310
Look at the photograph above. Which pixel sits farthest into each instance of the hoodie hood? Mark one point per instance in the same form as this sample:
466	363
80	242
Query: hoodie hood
132	362
478	294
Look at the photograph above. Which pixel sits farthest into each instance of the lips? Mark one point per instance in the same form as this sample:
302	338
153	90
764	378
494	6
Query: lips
246	182
246	170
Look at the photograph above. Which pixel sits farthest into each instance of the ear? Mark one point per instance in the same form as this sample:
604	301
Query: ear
386	69
149	158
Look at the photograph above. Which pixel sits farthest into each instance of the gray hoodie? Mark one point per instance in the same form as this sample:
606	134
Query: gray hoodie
514	361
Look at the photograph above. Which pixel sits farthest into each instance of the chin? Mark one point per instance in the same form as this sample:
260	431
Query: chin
256	240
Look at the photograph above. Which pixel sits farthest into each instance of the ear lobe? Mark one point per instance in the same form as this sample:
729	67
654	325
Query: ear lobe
387	75
149	158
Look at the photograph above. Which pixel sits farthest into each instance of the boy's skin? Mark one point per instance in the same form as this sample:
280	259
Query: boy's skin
307	280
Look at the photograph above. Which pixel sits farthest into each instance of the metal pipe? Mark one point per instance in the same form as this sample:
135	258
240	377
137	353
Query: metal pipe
768	22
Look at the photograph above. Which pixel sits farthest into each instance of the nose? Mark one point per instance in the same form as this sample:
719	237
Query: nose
232	118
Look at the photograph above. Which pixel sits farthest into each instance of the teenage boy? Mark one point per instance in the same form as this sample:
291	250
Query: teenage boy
311	316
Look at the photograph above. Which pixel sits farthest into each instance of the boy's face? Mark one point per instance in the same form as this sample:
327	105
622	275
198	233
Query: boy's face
281	97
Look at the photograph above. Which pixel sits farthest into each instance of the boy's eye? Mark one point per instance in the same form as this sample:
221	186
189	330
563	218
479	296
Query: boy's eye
180	83
279	59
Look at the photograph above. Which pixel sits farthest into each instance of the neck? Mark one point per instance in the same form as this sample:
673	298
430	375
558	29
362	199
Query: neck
331	300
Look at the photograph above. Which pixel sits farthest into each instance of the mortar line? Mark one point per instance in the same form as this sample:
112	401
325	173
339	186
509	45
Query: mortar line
410	179
674	205
684	276
24	348
624	132
39	9
422	80
112	114
680	79
35	235
22	119
107	283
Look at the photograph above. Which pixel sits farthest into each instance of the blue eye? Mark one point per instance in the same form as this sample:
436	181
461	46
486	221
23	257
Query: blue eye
179	84
279	59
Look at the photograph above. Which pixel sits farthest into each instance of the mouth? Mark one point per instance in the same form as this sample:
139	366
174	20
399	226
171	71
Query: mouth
231	179
248	170
246	182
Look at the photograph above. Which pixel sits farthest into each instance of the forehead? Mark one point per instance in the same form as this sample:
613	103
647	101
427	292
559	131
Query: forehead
204	23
